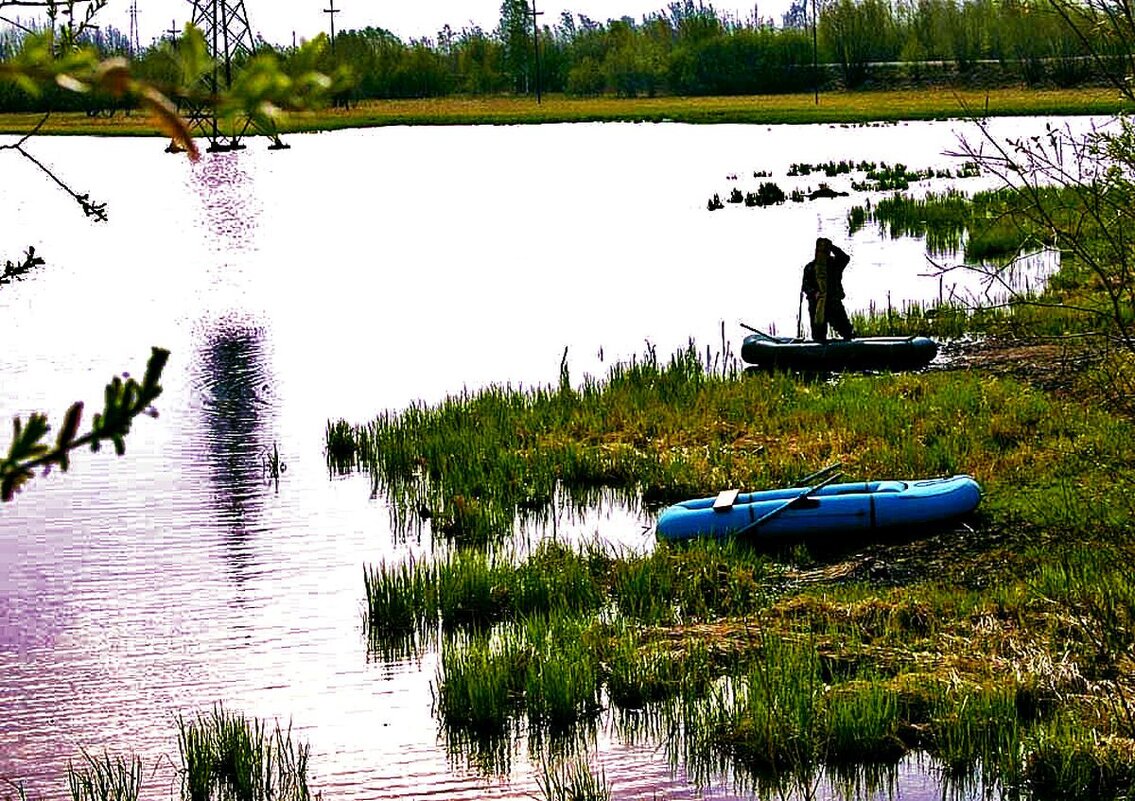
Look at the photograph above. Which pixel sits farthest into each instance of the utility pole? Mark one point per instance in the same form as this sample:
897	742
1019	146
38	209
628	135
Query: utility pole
173	31
332	11
815	65
536	44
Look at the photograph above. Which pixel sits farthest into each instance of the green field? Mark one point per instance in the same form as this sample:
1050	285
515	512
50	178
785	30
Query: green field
834	107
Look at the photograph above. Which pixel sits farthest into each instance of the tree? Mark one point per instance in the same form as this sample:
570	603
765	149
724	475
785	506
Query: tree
796	17
514	36
1079	189
858	32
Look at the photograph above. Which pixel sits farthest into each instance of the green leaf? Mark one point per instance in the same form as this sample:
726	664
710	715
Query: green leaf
70	427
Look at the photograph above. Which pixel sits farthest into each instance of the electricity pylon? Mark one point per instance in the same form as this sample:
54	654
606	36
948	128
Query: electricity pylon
224	24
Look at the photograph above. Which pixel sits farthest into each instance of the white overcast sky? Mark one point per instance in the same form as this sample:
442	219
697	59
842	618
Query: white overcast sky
275	20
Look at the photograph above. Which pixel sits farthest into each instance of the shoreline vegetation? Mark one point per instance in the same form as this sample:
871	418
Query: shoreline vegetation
1000	651
835	107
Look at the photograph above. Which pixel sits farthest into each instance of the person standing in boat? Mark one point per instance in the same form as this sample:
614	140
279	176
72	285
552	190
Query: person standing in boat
823	287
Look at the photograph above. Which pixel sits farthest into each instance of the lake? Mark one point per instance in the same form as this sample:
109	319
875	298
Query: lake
355	272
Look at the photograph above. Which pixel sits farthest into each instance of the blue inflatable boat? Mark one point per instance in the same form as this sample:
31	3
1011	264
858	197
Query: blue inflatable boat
824	508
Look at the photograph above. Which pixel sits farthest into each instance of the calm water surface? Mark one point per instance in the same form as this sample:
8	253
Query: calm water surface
358	271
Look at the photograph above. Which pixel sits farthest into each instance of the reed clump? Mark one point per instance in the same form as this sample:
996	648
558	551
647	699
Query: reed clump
105	778
229	757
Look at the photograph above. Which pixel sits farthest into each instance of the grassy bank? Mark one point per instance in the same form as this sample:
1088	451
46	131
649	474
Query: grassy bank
661	431
834	107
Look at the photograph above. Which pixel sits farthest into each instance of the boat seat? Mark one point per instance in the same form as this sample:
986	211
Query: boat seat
725	500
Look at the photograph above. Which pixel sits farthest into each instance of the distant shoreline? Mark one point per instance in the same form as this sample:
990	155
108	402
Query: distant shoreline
842	107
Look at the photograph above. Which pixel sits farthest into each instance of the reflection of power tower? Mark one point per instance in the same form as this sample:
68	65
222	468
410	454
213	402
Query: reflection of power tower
224	24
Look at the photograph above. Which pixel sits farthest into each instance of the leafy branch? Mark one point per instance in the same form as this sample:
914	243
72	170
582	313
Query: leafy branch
125	399
15	270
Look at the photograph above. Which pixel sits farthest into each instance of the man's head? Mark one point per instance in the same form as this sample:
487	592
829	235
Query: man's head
823	247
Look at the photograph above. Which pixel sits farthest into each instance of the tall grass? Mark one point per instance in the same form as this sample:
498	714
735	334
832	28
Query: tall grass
481	681
990	225
863	719
105	778
229	757
774	724
475	588
563	680
1067	761
665	432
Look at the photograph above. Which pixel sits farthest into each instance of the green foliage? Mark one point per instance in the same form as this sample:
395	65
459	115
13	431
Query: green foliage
229	757
685	49
105	778
124	400
15	271
1068	762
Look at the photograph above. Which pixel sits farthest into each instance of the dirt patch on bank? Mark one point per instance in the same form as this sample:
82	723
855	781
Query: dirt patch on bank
1048	364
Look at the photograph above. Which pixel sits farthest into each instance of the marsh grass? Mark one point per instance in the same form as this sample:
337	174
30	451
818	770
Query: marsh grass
976	728
562	685
773	726
105	778
988	226
480	682
863	719
1068	762
827	682
229	757
672	430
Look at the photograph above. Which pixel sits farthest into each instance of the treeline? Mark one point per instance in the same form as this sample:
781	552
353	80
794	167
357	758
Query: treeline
688	49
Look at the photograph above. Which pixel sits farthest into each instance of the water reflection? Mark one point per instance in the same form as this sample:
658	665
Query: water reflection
229	203
237	411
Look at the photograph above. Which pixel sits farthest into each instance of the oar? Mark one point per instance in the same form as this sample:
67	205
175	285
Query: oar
769	515
756	331
819	473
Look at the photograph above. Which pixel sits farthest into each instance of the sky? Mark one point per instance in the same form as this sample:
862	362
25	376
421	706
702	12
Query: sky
276	20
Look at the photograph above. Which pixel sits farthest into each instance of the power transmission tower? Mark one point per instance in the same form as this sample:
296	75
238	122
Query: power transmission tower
224	24
135	45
